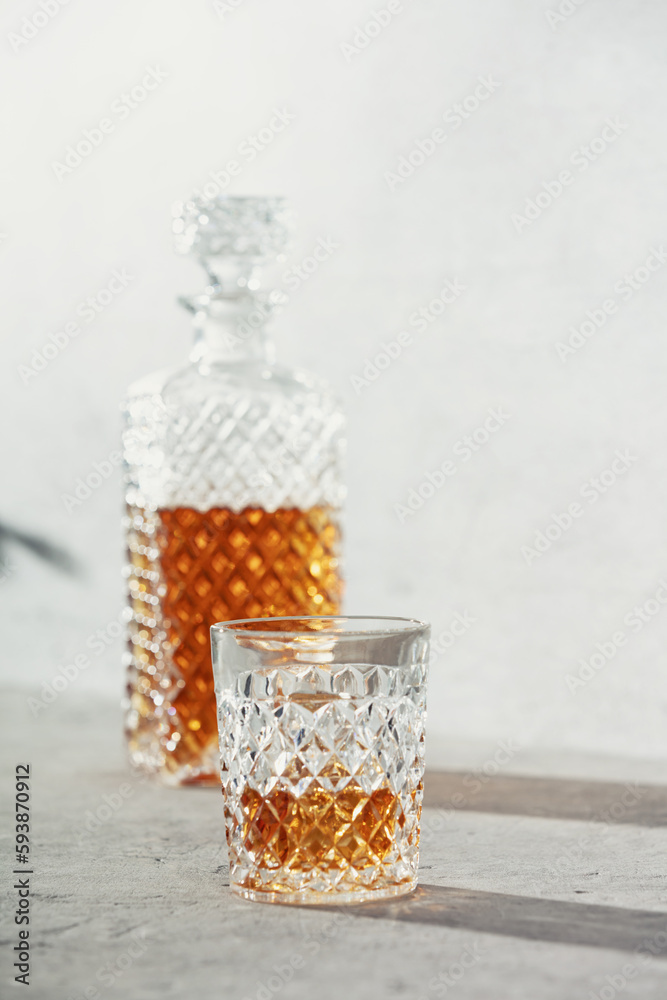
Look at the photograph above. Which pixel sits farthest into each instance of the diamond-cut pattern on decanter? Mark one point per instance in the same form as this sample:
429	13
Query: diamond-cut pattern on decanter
233	494
323	792
233	449
189	569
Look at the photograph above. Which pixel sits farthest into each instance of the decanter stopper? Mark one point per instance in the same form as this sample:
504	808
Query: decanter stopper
232	236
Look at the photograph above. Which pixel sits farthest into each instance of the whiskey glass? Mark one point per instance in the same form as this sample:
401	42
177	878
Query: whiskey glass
321	726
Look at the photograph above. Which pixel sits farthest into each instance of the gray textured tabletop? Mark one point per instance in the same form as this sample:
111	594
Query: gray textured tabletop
533	885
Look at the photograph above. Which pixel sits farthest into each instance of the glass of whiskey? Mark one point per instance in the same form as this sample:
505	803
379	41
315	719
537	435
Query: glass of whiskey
321	726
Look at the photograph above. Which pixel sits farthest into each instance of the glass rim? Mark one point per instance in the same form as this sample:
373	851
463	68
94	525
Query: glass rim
400	626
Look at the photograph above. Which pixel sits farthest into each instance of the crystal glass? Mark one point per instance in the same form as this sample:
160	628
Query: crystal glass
233	489
321	724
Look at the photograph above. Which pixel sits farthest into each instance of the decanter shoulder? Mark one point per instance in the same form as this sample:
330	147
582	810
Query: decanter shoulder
296	381
152	384
192	382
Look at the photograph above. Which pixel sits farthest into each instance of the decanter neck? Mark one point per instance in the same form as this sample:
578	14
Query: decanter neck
232	238
230	327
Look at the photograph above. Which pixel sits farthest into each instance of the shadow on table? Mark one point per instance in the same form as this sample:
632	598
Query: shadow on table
551	798
524	917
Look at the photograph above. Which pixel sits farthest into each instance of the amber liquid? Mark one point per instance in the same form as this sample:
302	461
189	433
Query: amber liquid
203	567
319	829
285	836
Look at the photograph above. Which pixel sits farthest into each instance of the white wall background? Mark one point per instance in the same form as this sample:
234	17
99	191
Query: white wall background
495	346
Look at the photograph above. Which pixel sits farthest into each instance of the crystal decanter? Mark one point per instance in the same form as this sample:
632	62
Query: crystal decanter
233	490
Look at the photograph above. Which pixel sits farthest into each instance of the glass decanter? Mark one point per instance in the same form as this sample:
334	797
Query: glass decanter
233	490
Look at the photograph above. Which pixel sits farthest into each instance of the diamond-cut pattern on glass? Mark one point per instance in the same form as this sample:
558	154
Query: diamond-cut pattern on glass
323	792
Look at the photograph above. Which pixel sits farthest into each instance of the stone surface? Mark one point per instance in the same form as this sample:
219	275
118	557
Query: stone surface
530	888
